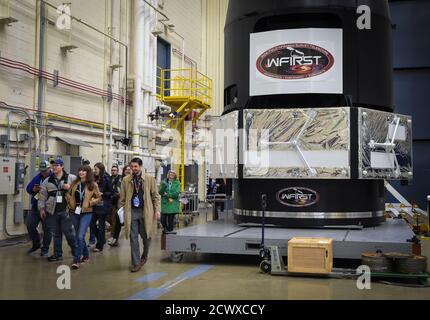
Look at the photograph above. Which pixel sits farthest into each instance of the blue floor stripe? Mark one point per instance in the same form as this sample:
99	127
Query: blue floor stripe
149	294
151	277
195	272
155	293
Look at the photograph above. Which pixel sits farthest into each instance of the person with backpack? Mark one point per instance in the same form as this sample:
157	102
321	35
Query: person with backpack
103	208
82	197
33	220
116	179
52	205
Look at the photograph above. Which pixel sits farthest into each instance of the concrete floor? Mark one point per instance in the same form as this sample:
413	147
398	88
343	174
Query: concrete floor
201	276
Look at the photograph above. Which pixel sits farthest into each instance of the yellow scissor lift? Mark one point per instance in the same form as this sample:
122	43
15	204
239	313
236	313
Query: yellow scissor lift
187	92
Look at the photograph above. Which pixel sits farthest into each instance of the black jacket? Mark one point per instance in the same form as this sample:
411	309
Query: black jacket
105	186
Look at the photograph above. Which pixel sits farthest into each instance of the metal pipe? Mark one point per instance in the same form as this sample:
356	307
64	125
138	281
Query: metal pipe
147	73
17	137
138	65
120	26
154	16
156	9
57	117
9	126
105	84
141	154
36	139
61	80
41	66
155	128
6	232
113	11
127	57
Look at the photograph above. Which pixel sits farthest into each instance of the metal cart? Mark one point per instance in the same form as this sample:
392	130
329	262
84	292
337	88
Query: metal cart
190	201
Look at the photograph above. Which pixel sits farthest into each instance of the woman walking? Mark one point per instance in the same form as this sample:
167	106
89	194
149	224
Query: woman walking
169	191
104	208
82	196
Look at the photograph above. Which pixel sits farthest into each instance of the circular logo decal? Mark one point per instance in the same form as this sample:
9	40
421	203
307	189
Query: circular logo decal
297	197
295	61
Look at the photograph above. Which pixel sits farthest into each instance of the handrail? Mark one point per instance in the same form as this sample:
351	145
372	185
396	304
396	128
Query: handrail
189	83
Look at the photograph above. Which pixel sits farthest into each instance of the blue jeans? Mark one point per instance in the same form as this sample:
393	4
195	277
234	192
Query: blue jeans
100	230
33	221
58	224
81	223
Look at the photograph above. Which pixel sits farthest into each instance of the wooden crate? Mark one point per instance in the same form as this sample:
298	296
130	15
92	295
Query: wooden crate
310	255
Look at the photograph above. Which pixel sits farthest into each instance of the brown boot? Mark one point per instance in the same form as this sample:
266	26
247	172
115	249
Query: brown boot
142	261
136	268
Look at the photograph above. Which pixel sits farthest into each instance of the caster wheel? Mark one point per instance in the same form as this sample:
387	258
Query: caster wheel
265	254
262	254
176	256
265	266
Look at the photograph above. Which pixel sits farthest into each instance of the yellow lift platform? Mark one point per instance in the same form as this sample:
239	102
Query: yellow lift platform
189	93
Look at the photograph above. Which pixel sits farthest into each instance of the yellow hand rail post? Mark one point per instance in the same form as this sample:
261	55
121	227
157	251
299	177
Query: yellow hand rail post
182	175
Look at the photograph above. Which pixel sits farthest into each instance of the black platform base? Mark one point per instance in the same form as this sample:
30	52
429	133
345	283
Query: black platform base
310	202
310	223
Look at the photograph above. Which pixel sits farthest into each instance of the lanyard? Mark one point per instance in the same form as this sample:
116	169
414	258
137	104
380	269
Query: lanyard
81	192
137	185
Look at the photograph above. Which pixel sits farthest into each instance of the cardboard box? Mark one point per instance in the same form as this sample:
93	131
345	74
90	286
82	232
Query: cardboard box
310	255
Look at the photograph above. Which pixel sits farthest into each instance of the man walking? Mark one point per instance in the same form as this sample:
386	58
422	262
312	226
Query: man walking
53	207
141	202
33	220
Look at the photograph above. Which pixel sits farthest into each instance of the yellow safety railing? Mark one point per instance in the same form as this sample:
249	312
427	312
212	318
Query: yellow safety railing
182	84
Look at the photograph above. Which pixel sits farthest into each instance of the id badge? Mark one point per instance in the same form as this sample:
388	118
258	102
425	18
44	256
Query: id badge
78	210
136	202
59	199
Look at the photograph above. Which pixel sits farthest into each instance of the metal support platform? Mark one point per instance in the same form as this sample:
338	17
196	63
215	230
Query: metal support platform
225	237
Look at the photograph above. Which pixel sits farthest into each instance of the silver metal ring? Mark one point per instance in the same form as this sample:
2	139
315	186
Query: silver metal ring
310	215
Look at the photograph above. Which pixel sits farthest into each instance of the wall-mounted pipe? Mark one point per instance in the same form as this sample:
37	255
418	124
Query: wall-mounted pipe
138	65
140	154
61	80
41	65
5	231
113	26
155	128
154	43
58	117
10	126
